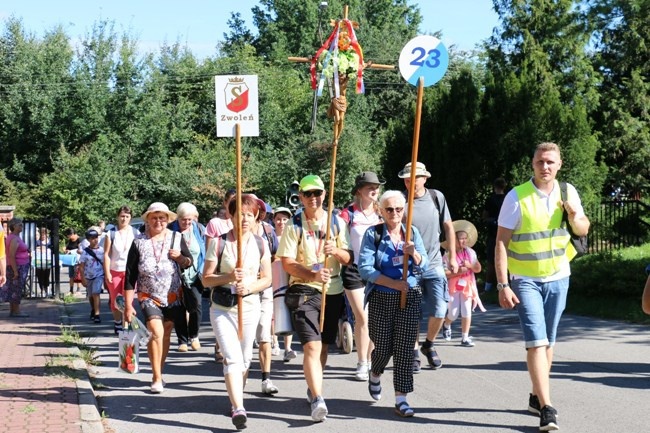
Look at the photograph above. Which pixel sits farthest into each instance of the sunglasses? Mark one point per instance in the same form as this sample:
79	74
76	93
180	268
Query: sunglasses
394	209
313	193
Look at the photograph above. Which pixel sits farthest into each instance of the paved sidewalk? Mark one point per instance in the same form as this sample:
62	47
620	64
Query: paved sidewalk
42	388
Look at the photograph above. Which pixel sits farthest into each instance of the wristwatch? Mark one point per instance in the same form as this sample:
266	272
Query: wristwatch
501	286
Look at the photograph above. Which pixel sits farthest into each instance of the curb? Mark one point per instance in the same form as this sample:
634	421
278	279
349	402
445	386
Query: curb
90	419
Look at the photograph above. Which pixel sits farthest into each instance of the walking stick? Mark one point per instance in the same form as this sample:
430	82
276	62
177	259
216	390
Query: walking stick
240	319
414	161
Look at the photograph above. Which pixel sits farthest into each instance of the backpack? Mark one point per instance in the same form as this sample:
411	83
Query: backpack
436	201
297	224
221	245
271	238
111	234
579	242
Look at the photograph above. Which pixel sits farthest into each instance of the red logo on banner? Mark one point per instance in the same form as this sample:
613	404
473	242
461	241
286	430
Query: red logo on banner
236	95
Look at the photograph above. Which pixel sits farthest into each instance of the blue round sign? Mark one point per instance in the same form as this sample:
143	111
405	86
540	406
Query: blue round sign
426	57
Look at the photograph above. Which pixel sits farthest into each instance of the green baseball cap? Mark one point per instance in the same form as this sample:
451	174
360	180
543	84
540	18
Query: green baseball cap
311	182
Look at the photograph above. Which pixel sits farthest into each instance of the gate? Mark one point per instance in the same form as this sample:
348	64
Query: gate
42	240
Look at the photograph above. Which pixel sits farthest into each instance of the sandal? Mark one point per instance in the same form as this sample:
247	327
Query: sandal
404	410
374	388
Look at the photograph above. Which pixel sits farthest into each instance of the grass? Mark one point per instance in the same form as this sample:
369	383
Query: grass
70	337
605	285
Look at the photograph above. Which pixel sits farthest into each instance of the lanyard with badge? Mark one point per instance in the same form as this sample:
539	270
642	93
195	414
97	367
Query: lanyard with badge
317	246
398	259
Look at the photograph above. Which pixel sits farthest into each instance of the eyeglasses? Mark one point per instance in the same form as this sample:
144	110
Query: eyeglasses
313	193
394	209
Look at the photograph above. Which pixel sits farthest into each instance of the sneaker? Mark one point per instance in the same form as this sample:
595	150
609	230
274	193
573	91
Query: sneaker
117	328
533	405
446	332
432	356
310	398
195	344
289	355
239	419
157	388
362	372
416	366
318	409
97	319
92	315
268	388
182	347
548	419
468	342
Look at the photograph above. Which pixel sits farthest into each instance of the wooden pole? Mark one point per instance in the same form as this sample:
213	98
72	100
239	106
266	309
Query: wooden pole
237	216
330	207
414	162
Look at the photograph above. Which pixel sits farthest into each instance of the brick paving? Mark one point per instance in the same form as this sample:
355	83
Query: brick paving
38	391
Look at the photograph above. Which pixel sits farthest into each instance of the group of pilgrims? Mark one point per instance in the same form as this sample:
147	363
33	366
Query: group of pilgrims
244	255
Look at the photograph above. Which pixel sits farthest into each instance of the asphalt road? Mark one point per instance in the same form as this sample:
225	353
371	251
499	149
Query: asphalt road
600	383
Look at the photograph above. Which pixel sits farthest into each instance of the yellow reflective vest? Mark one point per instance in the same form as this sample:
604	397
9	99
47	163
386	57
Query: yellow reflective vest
540	246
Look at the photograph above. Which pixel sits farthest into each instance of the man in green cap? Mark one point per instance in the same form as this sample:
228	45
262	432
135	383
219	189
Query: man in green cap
303	250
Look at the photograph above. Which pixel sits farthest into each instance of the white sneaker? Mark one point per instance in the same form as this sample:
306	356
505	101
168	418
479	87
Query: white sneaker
275	351
268	387
157	388
362	372
318	409
468	342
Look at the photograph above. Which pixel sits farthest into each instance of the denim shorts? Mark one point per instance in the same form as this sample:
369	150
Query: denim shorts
435	293
540	308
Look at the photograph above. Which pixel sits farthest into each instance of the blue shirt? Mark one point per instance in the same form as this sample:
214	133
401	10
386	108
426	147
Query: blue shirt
375	262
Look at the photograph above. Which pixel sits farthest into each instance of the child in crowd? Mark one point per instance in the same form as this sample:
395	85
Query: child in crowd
462	285
92	272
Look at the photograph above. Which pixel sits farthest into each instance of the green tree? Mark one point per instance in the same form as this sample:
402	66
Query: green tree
623	35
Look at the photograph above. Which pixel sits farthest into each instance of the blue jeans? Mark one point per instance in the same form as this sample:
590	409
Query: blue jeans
540	308
435	293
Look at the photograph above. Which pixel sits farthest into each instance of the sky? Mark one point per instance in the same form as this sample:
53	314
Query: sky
200	24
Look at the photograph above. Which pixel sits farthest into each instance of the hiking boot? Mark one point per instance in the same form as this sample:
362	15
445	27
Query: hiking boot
533	405
318	409
268	388
548	419
446	332
432	356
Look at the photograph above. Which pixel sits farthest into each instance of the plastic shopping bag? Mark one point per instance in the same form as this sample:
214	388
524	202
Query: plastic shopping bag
129	346
136	324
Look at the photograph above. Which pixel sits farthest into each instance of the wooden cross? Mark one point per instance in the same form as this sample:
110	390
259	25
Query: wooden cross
338	105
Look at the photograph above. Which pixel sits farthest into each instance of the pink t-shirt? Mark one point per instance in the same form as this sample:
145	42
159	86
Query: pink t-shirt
22	252
217	226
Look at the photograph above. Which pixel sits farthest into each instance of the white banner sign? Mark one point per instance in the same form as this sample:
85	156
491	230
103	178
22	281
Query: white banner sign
236	99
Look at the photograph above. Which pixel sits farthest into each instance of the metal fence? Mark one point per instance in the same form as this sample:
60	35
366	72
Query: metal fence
42	239
617	224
